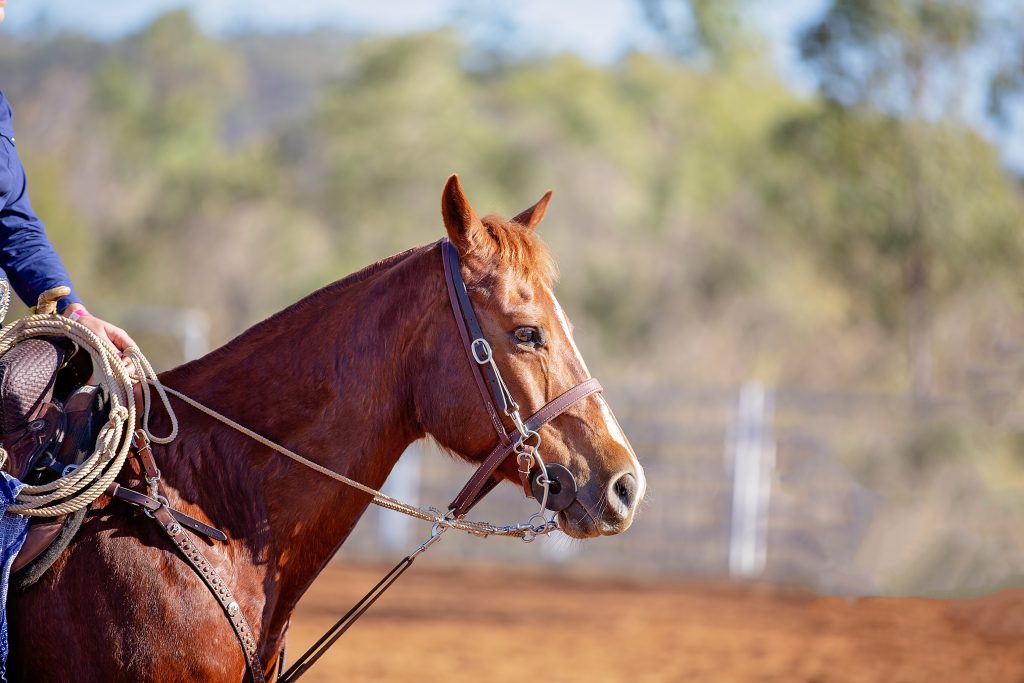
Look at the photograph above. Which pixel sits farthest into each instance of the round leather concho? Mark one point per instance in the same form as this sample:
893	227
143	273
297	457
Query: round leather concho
561	490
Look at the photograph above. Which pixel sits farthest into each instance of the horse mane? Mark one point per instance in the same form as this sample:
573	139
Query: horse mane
318	298
513	246
518	248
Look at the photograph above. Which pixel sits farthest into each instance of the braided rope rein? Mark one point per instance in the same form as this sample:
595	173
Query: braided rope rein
90	480
427	514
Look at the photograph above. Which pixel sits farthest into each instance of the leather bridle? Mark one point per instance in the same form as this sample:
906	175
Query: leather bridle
553	485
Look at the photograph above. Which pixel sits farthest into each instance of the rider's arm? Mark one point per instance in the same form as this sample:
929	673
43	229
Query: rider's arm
26	255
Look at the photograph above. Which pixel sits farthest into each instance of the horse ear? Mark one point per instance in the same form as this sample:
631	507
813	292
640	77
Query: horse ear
532	216
460	220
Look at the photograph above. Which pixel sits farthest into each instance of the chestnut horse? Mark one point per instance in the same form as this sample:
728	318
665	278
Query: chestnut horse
349	377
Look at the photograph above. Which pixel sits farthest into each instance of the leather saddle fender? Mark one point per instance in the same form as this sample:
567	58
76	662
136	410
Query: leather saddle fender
30	420
49	537
48	424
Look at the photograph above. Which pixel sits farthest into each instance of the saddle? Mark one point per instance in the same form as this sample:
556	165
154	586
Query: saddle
49	420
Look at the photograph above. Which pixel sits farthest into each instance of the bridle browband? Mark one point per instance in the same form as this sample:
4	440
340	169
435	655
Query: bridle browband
552	485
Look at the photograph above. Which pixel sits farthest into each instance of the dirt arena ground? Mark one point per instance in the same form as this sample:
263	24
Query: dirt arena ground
493	625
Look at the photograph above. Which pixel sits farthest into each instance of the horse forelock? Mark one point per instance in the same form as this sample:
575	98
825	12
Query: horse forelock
519	249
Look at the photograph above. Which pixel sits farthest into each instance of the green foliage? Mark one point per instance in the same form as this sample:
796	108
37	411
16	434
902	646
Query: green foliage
872	193
696	29
888	53
706	219
911	211
163	93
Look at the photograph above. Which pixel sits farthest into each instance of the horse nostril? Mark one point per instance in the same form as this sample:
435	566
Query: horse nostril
625	490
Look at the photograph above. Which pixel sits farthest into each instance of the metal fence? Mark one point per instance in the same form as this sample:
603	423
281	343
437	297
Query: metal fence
743	482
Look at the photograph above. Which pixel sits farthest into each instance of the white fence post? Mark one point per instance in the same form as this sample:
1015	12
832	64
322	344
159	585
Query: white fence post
750	452
190	327
395	531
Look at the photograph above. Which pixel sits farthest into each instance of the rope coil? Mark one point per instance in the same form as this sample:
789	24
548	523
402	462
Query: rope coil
90	480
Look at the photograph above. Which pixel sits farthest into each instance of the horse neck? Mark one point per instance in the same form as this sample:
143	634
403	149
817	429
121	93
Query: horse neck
330	378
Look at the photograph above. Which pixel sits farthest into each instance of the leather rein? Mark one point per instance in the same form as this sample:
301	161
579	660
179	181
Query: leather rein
552	485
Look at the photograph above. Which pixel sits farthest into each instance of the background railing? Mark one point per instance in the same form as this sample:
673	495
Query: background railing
748	482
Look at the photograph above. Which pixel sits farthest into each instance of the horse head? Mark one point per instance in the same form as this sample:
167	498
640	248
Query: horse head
508	274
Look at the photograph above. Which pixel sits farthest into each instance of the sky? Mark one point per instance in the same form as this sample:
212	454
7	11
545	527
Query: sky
598	30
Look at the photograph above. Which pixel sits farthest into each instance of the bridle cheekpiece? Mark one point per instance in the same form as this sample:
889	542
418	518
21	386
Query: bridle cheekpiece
552	485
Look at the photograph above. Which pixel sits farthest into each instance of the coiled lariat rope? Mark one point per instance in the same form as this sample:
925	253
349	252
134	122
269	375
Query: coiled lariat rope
90	480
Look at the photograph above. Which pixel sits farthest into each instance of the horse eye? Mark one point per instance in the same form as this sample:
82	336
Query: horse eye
531	336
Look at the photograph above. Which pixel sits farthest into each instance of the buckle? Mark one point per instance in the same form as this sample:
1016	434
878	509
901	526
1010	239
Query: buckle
488	353
163	503
525	461
140	439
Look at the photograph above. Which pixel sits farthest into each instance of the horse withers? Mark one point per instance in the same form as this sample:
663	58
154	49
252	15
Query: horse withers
350	376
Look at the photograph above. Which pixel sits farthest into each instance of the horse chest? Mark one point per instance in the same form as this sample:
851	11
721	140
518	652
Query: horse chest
148	616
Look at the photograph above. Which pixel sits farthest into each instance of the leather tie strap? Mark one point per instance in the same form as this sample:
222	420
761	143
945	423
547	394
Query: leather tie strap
145	502
145	453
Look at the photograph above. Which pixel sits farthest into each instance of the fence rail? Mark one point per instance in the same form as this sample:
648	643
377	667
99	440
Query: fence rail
747	481
712	457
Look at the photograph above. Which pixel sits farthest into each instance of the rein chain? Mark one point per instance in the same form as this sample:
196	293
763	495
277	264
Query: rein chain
525	531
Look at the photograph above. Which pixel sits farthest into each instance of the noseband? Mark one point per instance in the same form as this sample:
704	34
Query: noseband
552	485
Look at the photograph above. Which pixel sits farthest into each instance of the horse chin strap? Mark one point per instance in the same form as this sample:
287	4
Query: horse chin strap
553	485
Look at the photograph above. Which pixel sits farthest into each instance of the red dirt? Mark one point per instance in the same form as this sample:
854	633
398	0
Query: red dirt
495	625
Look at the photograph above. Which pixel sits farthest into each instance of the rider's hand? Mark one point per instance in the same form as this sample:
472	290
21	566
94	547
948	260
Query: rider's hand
101	328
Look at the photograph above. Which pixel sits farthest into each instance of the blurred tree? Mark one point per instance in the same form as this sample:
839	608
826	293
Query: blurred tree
238	174
1004	50
184	189
380	141
903	57
165	91
698	30
918	58
892	175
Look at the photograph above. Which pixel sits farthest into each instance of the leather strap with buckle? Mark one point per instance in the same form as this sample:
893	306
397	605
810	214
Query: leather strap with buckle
495	400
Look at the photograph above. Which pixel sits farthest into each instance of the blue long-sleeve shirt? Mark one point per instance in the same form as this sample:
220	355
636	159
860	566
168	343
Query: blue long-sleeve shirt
26	255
